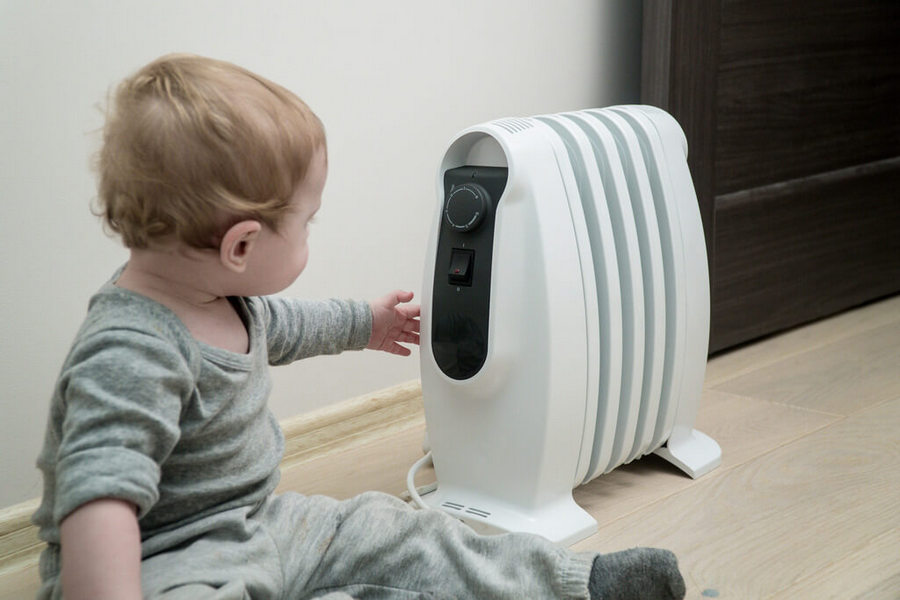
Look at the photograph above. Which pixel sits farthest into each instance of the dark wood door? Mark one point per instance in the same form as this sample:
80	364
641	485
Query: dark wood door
792	114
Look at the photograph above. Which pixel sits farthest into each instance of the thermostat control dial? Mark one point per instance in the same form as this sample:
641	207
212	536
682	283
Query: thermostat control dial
466	206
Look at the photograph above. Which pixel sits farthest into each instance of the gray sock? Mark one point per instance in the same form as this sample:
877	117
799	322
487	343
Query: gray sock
636	574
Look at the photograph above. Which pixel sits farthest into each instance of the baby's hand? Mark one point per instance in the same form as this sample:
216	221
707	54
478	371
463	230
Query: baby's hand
394	321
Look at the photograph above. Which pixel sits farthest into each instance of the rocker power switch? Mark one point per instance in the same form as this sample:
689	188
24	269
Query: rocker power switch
461	267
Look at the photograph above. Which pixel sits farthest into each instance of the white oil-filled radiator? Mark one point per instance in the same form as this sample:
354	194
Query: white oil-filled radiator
565	315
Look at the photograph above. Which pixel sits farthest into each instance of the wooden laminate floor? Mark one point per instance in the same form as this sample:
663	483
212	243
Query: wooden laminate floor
806	503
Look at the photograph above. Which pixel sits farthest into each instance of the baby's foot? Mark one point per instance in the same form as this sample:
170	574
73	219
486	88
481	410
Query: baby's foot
636	574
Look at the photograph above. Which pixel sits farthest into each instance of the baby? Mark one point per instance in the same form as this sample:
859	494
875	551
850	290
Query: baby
161	456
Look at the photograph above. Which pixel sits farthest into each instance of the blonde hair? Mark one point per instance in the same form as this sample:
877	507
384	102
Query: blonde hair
193	145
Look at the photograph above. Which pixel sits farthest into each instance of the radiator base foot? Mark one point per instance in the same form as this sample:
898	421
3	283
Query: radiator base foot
562	522
692	451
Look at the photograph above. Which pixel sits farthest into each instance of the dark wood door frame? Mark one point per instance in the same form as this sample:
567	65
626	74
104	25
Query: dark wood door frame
792	116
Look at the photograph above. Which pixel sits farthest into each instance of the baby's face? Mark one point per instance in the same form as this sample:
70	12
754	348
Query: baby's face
280	256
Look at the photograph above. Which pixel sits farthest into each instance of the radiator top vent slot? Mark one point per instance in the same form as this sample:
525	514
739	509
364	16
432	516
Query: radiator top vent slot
514	125
478	512
453	505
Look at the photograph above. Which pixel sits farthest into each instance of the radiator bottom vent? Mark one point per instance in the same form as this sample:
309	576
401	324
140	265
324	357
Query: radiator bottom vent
471	510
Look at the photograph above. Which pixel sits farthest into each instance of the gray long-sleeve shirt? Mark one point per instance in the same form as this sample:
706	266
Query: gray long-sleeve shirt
145	413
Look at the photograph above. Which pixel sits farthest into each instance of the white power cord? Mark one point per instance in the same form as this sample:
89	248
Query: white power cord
411	485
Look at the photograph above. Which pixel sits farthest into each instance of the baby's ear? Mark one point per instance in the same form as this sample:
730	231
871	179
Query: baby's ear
237	244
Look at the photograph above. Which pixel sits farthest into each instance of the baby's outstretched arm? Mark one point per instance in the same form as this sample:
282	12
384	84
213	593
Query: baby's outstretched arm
394	322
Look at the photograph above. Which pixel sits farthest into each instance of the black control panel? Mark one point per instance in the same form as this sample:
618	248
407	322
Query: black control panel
462	271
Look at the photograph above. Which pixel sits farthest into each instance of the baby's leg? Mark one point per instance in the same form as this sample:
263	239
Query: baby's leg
384	549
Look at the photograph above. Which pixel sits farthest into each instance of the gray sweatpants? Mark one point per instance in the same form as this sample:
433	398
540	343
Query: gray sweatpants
371	546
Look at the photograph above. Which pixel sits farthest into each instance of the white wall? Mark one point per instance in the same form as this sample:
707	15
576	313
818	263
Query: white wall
392	80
